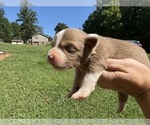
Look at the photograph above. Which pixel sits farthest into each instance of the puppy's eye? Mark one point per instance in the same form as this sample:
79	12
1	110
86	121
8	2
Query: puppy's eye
70	48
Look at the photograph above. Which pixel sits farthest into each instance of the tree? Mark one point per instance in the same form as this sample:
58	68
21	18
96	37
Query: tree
102	3
15	30
5	27
93	23
2	13
29	20
136	24
111	22
121	22
39	29
59	27
104	21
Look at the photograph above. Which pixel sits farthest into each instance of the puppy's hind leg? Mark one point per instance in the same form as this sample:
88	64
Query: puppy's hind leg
122	102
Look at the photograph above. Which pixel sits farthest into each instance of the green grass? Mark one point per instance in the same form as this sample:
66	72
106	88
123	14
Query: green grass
149	55
31	88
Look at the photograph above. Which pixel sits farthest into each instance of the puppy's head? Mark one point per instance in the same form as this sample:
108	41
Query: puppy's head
68	48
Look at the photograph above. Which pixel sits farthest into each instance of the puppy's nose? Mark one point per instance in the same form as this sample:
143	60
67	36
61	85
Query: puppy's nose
50	57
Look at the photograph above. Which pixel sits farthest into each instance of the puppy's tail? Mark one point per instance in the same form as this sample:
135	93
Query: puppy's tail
122	102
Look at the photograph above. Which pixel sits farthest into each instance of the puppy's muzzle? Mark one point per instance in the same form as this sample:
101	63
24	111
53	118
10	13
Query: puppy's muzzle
52	55
56	58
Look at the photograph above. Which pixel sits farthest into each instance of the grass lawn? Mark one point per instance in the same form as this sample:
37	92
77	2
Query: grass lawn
31	88
149	55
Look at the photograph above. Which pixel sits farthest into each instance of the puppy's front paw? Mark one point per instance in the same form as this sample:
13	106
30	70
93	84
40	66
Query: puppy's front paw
79	95
74	90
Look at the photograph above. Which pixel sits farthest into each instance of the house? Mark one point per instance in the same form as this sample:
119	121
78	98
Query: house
39	39
16	41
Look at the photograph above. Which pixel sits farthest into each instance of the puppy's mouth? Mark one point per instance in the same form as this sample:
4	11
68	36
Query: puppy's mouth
61	67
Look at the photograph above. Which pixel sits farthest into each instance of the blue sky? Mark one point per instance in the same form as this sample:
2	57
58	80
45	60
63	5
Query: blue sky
50	12
50	16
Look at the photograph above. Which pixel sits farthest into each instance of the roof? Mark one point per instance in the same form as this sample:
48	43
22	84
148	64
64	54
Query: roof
17	40
41	34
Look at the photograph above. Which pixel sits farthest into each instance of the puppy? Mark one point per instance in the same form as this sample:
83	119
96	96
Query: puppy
88	54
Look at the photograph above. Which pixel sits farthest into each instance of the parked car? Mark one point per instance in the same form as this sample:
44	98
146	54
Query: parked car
135	42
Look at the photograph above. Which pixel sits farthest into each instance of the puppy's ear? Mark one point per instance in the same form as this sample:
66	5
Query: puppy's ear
90	42
89	48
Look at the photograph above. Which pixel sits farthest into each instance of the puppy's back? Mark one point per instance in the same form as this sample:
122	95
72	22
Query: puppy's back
120	49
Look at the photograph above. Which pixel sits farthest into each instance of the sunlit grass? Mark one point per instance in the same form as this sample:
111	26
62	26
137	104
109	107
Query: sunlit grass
31	88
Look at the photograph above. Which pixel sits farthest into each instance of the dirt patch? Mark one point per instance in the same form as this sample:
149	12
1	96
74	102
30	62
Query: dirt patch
3	55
